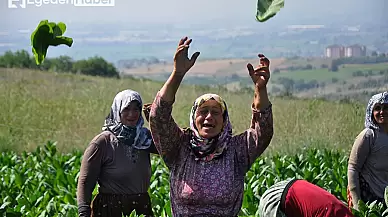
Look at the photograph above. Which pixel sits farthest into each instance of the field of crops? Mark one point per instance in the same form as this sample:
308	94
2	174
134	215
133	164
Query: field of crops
43	182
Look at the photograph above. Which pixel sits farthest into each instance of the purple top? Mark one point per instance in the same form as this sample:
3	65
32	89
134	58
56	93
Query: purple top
216	187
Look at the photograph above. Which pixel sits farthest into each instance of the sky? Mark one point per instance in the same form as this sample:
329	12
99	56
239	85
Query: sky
201	12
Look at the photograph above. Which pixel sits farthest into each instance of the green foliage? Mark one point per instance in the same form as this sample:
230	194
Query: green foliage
266	9
48	34
96	66
372	209
43	182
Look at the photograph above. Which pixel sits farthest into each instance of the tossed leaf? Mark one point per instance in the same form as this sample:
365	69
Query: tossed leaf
266	9
45	35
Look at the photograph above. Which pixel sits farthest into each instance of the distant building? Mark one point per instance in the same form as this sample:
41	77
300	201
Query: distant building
335	51
355	51
339	51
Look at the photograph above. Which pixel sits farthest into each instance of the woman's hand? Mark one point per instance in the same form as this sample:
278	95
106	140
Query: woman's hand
261	74
182	63
146	111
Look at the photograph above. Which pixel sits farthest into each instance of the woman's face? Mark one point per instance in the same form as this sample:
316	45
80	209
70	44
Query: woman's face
131	114
209	119
380	113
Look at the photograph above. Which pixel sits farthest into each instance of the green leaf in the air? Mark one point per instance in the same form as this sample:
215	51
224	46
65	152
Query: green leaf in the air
45	35
266	9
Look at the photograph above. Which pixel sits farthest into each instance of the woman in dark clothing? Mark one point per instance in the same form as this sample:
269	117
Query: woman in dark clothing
118	159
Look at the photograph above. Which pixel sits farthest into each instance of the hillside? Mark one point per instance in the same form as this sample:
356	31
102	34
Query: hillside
303	77
39	106
203	67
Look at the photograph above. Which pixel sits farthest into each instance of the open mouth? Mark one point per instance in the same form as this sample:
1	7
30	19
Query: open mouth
382	118
208	125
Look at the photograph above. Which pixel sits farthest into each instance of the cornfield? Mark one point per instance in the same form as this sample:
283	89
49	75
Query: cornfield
43	182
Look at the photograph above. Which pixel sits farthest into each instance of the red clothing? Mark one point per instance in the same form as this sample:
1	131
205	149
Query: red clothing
304	199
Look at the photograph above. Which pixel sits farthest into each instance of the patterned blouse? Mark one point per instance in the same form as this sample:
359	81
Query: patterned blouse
213	188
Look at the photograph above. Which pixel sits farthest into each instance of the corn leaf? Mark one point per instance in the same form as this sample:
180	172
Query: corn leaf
266	9
45	35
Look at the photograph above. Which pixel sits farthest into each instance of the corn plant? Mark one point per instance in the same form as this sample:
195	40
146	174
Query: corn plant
43	182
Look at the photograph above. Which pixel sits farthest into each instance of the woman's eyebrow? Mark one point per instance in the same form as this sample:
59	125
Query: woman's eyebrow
213	107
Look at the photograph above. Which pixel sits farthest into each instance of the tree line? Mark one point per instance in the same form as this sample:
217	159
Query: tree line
96	66
382	58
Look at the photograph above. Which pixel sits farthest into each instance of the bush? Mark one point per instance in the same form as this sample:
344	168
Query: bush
93	66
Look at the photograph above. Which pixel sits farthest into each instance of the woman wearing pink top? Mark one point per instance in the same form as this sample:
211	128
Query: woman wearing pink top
207	163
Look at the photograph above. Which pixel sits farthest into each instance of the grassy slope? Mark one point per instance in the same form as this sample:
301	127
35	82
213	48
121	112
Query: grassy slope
40	106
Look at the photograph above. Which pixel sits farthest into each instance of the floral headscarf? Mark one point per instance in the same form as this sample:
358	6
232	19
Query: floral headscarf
380	98
137	137
207	149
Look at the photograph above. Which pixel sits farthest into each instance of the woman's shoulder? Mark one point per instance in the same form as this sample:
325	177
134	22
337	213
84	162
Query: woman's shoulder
366	133
366	136
104	138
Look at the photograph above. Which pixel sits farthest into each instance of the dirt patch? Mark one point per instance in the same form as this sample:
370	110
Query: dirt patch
205	67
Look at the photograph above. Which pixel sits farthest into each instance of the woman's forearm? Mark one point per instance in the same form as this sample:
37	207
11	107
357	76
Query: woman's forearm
171	86
260	99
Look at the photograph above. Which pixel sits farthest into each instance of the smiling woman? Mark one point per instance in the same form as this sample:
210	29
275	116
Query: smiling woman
368	165
131	114
208	115
112	158
207	163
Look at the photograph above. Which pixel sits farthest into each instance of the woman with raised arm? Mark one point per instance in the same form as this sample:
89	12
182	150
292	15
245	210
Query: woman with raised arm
207	163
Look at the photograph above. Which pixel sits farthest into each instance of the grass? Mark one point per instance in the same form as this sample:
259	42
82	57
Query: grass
70	109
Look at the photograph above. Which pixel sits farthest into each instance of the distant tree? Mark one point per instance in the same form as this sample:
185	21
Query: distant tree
357	73
334	68
8	60
22	59
309	66
96	66
276	71
62	64
235	77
